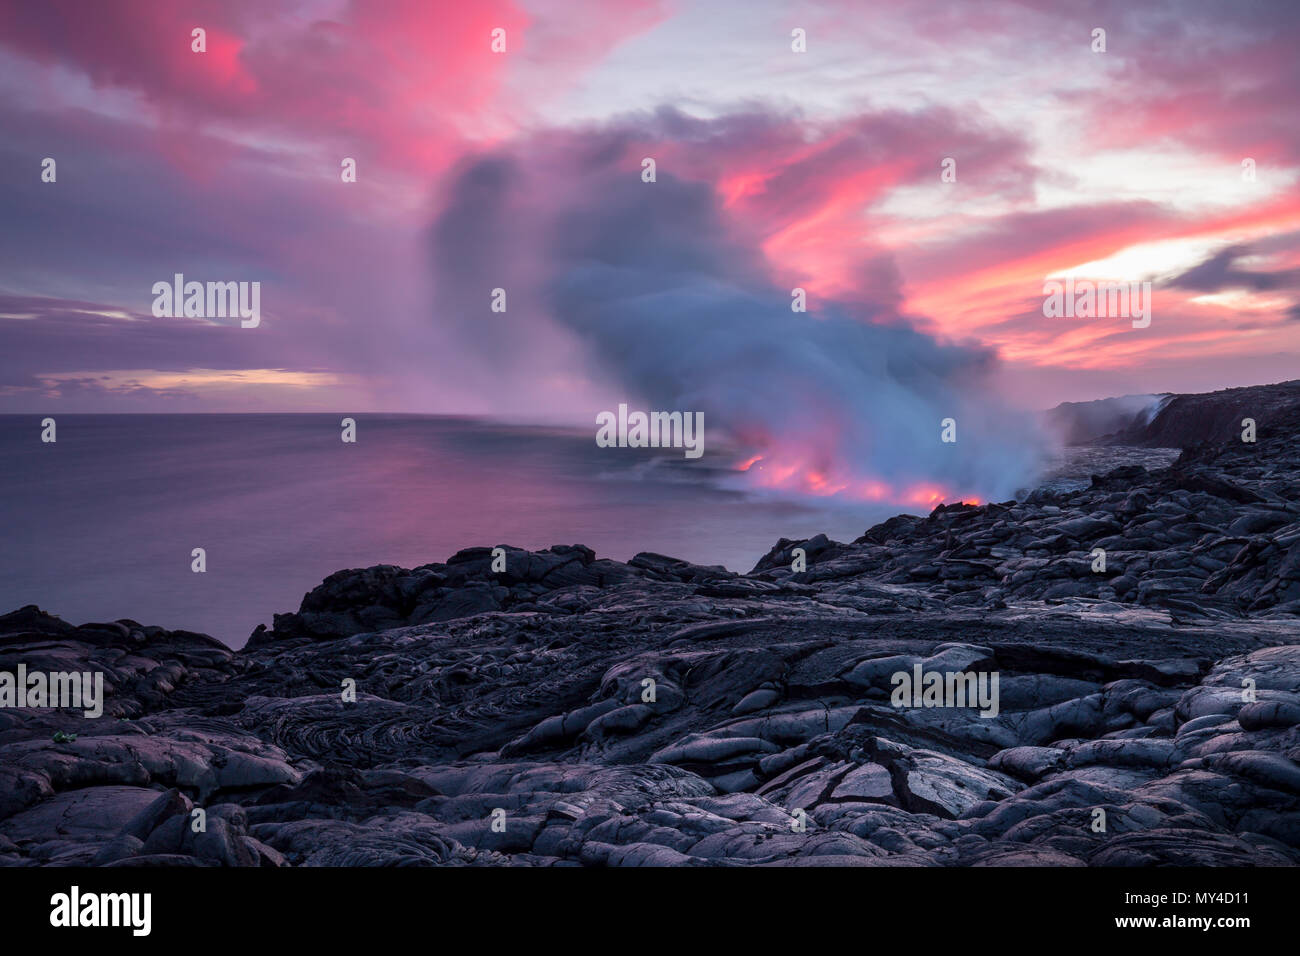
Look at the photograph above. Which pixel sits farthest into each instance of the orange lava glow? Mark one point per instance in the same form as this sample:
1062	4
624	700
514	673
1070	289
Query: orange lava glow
800	478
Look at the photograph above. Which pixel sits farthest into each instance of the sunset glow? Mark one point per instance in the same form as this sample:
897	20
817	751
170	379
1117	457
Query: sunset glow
907	192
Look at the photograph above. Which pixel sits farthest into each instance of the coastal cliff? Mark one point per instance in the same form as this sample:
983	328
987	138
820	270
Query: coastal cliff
571	709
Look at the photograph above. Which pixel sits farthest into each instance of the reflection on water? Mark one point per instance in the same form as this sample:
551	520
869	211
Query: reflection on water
101	524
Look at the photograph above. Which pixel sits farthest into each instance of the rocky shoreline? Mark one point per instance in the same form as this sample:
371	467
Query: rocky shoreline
573	710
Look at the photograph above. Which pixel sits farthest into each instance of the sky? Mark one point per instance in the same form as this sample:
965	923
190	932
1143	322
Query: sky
1171	157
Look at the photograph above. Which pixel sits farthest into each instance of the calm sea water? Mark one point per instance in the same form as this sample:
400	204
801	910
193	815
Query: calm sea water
100	525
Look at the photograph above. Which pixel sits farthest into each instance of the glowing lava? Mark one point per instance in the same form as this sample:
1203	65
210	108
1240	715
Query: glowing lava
802	478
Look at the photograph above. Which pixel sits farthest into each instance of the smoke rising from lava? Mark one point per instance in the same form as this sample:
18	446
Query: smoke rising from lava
661	298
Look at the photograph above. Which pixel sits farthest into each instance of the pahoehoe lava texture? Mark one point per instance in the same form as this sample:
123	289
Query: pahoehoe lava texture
524	691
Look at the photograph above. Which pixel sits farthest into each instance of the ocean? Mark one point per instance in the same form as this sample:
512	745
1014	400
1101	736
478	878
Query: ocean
101	524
